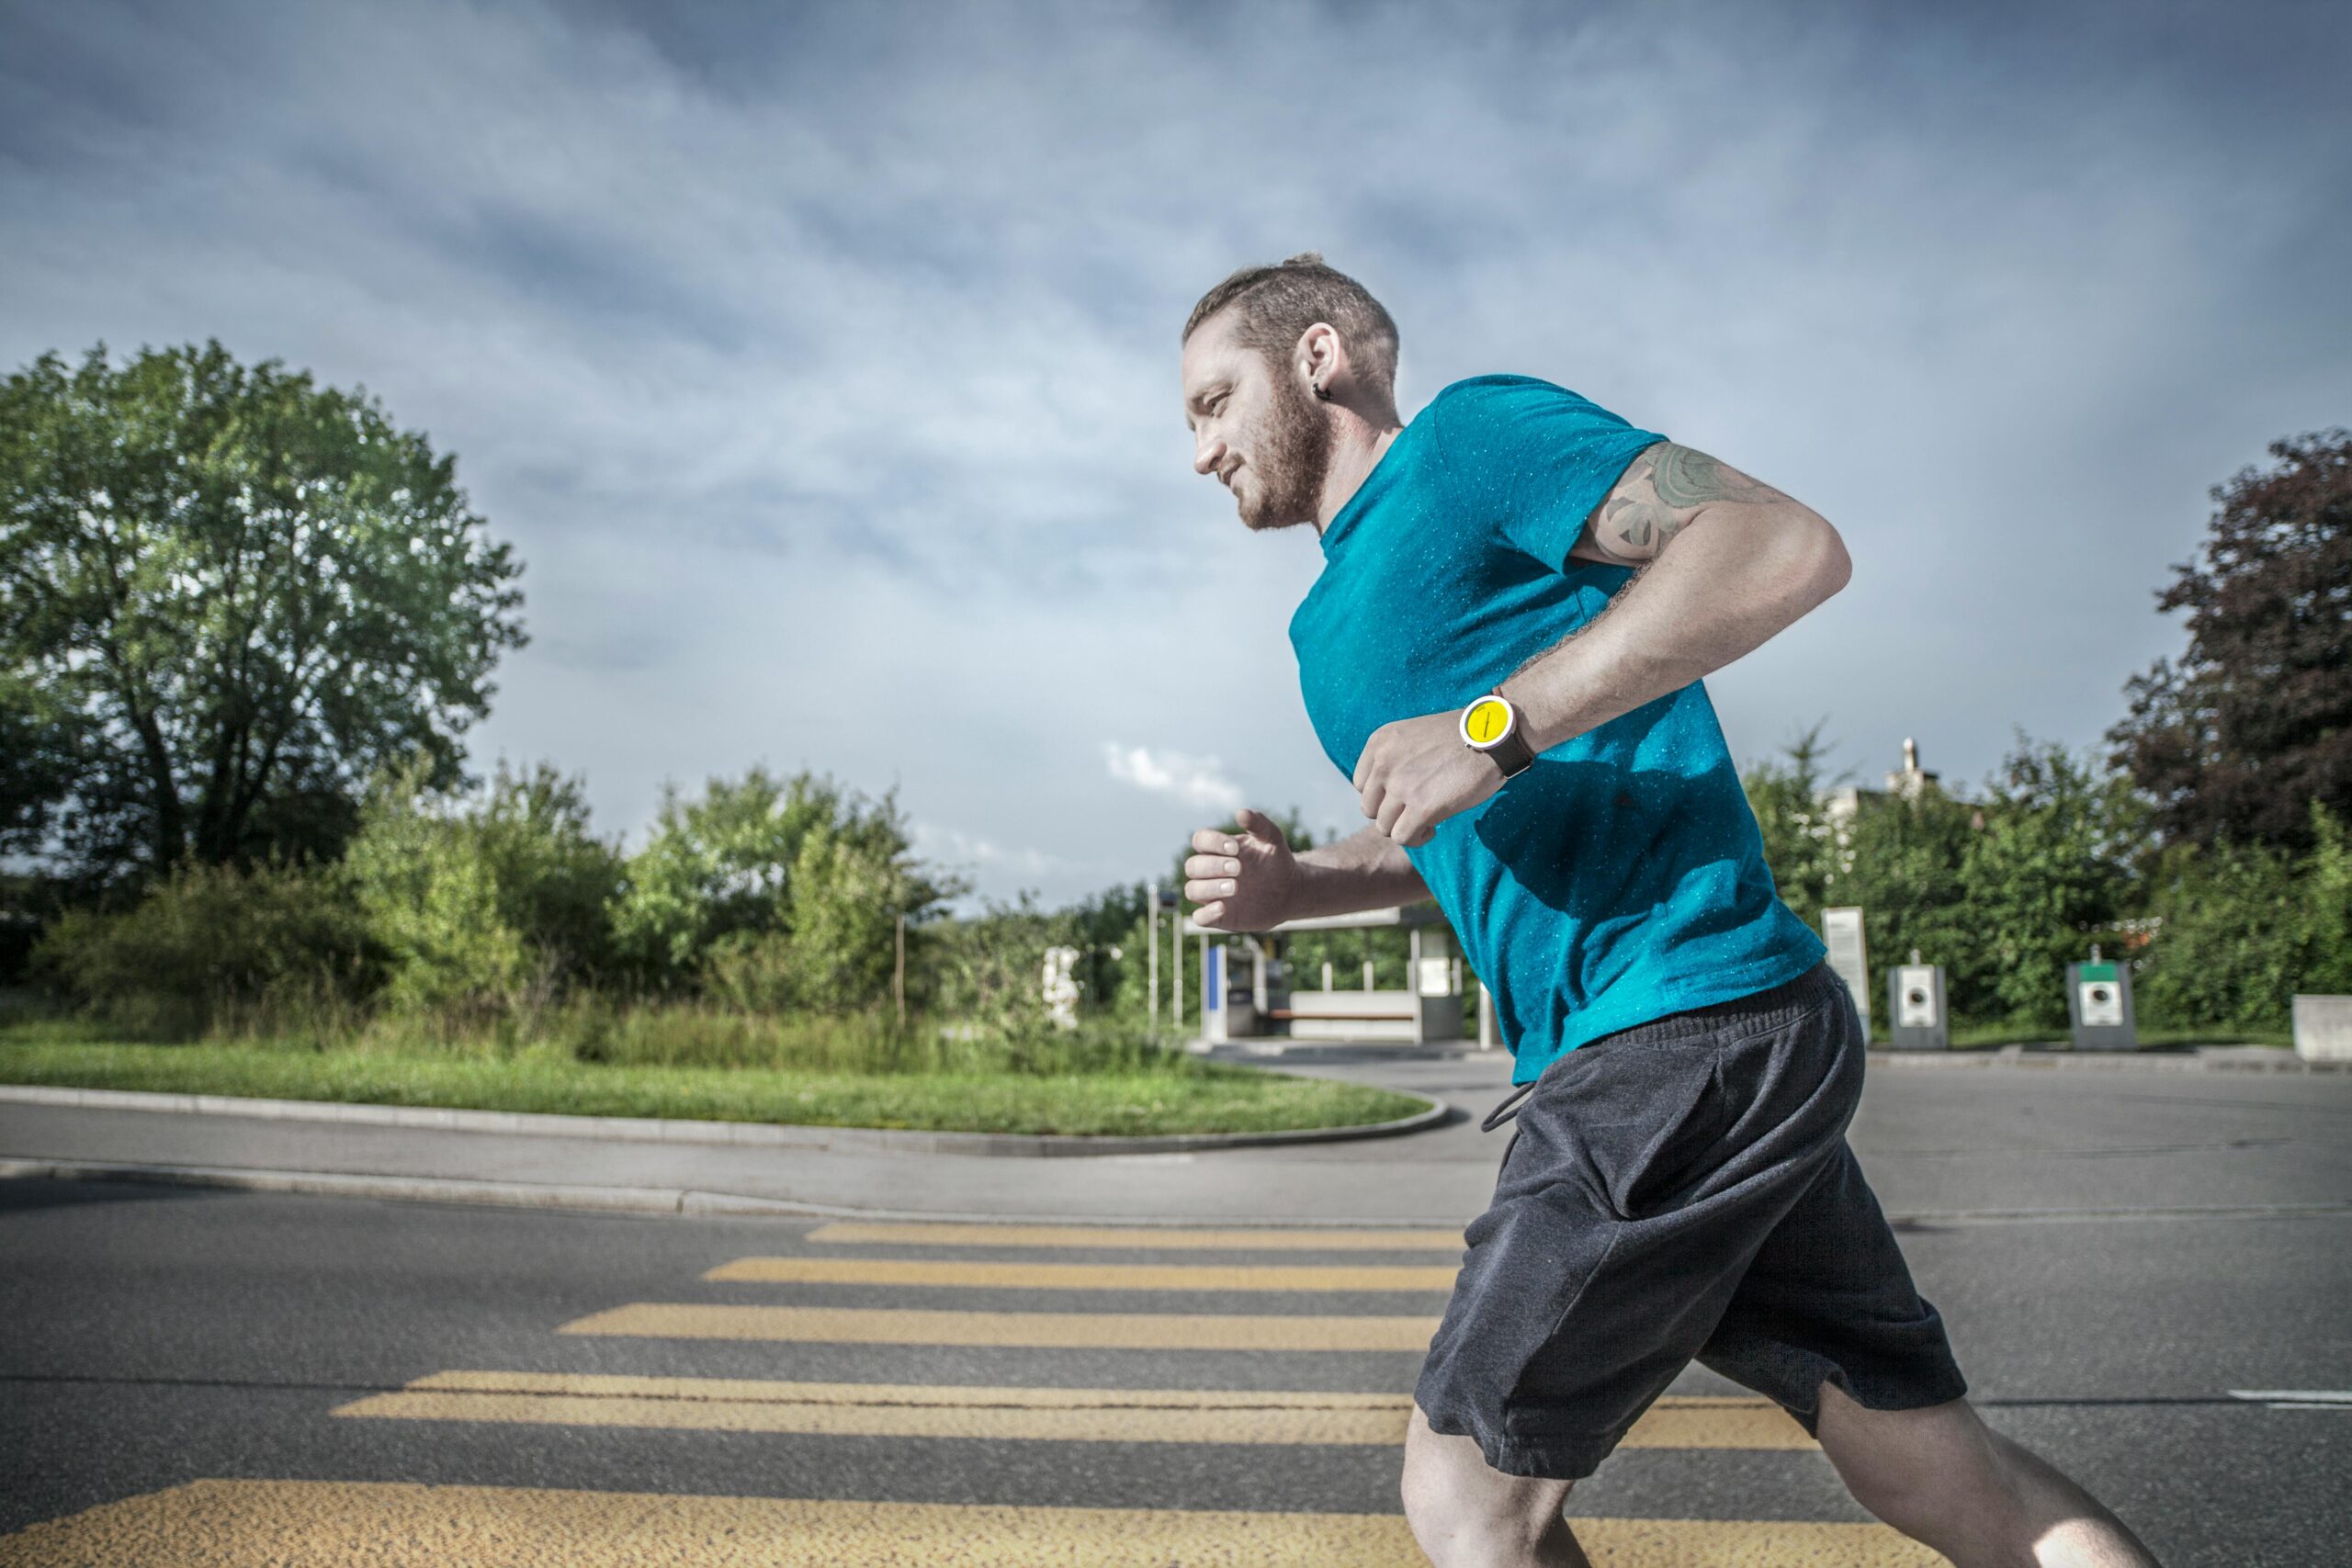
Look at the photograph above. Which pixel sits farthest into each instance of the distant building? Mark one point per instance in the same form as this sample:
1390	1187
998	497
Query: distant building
1838	806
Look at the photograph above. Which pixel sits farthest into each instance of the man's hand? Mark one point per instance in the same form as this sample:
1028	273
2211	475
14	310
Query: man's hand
1242	882
1416	772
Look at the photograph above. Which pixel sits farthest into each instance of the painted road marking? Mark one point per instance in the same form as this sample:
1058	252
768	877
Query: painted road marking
1077	1276
1060	1414
2297	1398
1144	1236
1056	1330
247	1524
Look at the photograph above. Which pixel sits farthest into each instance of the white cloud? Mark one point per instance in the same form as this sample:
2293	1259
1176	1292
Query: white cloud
1197	782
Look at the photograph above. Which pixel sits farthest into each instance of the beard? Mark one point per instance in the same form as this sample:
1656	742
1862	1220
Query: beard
1293	452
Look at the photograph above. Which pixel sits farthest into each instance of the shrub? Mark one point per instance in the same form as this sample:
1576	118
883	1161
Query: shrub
774	893
2240	928
213	947
489	904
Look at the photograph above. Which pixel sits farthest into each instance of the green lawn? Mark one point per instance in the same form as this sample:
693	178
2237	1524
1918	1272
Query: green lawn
1192	1096
1994	1036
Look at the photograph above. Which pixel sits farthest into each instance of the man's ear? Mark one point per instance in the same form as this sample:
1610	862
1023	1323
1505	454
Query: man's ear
1322	358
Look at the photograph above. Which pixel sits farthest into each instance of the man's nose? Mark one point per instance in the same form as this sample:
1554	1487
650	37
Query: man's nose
1207	454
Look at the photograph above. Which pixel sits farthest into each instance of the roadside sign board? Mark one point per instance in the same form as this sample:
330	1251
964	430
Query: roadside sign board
1841	932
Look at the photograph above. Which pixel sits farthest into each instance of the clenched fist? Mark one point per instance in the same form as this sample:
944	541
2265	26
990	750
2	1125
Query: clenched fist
1244	881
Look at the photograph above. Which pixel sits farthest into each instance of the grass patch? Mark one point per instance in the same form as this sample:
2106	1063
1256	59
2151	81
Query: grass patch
1187	1096
1988	1037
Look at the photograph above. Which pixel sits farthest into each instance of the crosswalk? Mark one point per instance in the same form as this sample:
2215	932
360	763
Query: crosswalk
969	1299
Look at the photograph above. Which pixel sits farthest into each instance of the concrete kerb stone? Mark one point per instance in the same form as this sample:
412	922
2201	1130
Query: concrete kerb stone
599	1200
635	1129
661	1201
2157	1059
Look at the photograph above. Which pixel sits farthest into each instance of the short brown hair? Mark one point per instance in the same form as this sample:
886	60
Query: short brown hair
1275	305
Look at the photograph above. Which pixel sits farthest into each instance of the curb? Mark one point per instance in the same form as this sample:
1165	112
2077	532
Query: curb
600	1199
692	1202
659	1130
2153	1060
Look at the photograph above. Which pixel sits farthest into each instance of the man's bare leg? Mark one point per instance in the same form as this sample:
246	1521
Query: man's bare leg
1468	1513
1944	1478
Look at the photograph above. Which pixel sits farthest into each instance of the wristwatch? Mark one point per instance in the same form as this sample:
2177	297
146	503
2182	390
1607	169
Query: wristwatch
1490	724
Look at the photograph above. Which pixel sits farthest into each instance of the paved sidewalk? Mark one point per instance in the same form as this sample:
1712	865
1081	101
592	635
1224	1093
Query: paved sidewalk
2008	1139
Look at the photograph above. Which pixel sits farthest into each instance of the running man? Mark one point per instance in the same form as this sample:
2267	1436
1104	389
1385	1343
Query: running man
1520	595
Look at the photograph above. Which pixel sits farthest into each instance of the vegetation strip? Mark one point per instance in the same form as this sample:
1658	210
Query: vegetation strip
1209	1100
656	1130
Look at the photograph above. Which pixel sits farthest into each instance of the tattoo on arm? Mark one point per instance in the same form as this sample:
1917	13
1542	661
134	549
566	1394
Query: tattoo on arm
1684	478
1660	492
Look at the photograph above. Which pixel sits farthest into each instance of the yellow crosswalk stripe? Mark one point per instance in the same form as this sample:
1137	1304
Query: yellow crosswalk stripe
970	1411
247	1524
1077	1276
1149	1237
1055	1330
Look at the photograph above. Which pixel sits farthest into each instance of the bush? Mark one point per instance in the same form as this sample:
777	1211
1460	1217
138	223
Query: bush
773	894
990	970
2240	927
212	947
489	905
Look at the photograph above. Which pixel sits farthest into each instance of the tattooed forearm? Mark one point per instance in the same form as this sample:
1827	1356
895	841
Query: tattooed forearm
1641	569
1684	478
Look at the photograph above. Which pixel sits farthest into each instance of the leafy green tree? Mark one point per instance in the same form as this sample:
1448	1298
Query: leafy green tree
2241	927
763	858
488	903
2255	721
1906	860
40	758
2047	875
1800	846
227	597
717	867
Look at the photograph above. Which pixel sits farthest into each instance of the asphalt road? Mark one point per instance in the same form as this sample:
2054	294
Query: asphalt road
260	1353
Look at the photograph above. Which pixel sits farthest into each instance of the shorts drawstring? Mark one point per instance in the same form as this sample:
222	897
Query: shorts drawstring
1507	1109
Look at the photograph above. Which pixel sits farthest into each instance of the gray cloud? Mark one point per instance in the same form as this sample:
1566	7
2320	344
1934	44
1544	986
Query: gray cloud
820	362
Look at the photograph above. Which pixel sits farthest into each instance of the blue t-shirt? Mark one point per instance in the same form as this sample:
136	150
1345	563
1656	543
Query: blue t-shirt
1620	876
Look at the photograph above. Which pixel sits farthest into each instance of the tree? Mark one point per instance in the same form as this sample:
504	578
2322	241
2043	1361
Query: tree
2240	928
759	863
1800	847
1904	859
2255	722
2049	873
227	598
486	903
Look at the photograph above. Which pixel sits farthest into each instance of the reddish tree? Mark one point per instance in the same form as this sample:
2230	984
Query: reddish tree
2254	722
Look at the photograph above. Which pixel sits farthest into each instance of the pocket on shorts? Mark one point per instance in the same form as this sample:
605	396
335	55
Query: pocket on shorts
1645	1122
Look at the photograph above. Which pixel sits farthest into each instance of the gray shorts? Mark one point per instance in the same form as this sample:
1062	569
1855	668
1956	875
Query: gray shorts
1682	1189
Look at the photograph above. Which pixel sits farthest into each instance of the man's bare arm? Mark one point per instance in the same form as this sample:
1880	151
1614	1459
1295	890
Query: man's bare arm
1370	871
1747	561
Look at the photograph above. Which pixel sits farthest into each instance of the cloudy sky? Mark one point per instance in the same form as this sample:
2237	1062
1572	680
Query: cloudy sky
820	361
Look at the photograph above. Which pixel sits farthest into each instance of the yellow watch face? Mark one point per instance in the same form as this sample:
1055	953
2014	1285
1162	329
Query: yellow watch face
1483	721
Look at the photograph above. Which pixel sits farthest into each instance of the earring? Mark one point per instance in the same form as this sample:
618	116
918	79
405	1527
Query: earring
1322	392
